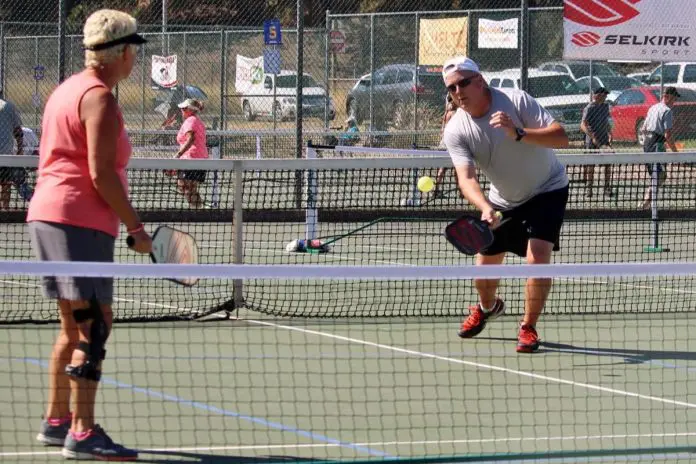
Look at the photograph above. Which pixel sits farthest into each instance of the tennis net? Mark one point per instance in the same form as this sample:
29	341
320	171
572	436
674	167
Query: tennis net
272	389
369	212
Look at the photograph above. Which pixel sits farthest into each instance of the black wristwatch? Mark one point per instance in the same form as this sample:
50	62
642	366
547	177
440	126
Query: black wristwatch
520	133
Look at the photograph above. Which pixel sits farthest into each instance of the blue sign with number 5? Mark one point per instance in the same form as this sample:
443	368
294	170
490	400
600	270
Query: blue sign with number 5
271	32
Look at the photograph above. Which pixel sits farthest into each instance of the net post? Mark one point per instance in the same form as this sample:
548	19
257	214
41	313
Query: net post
654	213
238	218
311	213
215	154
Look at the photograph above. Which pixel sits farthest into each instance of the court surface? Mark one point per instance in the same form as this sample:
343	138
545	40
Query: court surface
268	388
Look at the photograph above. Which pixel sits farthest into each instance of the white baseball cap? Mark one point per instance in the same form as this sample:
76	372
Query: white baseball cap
459	63
191	104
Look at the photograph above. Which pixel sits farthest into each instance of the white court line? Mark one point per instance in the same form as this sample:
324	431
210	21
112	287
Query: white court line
384	443
125	300
478	365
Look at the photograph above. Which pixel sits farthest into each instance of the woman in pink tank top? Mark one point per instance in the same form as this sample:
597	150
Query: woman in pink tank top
192	145
80	200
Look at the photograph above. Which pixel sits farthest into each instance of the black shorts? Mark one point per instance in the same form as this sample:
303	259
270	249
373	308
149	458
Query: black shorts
660	168
194	176
541	217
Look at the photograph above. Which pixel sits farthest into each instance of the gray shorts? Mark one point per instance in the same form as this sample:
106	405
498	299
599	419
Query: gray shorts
61	242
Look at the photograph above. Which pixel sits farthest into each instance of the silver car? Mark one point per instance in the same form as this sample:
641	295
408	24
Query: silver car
397	88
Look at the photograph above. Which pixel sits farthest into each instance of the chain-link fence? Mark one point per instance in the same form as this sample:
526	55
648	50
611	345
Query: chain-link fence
374	66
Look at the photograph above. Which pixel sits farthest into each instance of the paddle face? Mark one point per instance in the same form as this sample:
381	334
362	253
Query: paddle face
173	246
469	235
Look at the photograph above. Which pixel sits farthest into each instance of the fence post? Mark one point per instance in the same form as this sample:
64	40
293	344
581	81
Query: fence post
372	71
414	142
300	79
62	19
223	80
327	42
524	43
2	59
238	218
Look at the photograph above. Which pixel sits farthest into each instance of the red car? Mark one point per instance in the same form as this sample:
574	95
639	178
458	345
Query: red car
629	109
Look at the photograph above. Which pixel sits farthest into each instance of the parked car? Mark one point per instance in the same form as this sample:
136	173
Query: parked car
678	73
578	69
556	92
641	76
614	84
628	113
394	94
280	91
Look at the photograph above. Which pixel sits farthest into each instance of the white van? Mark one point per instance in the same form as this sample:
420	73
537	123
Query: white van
281	90
556	92
676	73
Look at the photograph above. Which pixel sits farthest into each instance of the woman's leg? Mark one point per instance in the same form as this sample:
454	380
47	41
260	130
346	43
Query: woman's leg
85	390
59	383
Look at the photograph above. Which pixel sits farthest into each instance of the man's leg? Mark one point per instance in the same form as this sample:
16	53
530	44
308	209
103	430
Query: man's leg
5	192
486	288
607	180
536	290
589	179
489	307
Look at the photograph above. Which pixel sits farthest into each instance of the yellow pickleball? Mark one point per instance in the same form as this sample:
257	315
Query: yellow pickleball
426	184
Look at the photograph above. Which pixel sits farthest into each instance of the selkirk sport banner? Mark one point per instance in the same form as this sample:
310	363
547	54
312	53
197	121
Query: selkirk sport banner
634	30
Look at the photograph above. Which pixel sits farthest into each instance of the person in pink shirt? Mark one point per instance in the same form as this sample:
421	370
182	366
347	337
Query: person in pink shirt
192	141
81	198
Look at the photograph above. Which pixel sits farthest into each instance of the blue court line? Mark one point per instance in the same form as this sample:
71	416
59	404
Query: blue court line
225	412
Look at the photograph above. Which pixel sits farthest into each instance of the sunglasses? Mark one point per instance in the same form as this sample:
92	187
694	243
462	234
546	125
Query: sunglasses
461	84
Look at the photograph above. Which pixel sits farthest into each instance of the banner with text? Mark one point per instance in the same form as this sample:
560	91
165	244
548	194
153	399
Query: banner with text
164	71
497	34
641	30
441	39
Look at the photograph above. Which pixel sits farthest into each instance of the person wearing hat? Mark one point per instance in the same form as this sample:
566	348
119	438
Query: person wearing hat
657	130
350	137
510	137
597	128
81	198
192	141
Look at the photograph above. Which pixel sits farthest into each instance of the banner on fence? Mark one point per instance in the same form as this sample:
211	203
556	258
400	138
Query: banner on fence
164	71
249	71
441	39
655	30
497	34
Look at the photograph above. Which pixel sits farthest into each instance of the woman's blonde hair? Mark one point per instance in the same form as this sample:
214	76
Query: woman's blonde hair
104	26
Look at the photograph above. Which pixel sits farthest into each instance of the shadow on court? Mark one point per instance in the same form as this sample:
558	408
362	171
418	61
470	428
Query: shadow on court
164	457
628	356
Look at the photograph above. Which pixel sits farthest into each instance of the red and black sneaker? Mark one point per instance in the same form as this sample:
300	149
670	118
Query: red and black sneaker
527	339
476	322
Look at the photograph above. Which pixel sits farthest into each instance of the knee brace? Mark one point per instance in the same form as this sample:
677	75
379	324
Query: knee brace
94	349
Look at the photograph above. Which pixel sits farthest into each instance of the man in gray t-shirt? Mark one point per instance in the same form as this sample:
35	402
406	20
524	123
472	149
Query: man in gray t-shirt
510	137
657	130
11	136
597	128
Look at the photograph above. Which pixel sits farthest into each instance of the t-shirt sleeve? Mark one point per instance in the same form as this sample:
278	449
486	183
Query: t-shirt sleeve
585	113
456	145
533	115
668	120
